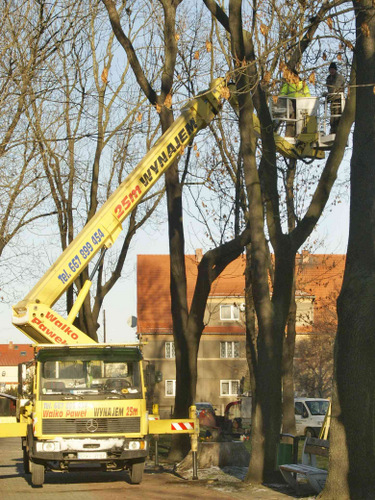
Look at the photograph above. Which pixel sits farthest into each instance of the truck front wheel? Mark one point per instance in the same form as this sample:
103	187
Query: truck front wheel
136	472
37	474
309	433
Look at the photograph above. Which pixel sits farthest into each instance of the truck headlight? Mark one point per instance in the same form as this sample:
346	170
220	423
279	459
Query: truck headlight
135	445
48	446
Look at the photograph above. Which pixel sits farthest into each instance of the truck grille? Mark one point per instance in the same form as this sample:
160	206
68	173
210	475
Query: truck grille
91	425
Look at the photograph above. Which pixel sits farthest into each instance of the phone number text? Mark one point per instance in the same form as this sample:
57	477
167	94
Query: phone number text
81	256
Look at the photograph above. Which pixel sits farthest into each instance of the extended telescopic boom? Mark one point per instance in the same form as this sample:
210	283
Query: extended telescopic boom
33	315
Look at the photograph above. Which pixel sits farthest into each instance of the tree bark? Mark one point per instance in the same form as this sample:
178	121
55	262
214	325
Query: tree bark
352	461
288	416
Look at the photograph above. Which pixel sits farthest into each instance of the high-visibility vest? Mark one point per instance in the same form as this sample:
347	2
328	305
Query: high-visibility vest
295	90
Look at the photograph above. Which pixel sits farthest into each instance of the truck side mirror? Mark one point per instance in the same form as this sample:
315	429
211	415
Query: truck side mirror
26	373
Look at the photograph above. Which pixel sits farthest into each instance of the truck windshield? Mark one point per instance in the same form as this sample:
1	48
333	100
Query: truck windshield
319	407
72	378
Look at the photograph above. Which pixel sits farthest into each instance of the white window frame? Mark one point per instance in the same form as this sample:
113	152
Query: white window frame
172	352
230	392
234	312
232	342
173	388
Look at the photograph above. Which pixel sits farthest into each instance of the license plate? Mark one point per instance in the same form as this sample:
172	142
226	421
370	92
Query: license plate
91	455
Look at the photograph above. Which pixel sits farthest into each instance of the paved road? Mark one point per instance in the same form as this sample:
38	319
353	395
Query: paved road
93	485
90	485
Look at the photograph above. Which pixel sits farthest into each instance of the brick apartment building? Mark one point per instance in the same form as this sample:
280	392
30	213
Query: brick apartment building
222	366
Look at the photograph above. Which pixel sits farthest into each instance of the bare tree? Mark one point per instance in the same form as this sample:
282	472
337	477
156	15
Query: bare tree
314	365
87	141
28	44
264	204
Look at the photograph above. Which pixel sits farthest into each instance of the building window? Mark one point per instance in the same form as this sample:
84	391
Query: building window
170	387
3	374
229	349
23	353
305	311
229	312
229	387
169	350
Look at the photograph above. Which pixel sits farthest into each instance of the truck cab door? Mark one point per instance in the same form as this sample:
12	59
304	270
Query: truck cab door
301	415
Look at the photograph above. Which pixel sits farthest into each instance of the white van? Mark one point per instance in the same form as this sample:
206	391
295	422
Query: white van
309	414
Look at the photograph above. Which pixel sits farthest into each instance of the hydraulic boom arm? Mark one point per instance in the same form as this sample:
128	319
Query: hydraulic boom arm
33	315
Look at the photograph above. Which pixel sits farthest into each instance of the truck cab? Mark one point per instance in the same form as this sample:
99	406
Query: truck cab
88	409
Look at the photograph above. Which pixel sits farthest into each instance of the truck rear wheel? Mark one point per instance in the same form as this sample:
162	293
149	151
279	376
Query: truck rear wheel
37	474
136	472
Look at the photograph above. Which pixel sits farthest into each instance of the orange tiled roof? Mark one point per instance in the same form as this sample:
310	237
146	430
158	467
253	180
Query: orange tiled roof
12	354
317	275
321	276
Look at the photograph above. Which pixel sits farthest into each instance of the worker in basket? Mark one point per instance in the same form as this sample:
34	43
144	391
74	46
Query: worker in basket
293	87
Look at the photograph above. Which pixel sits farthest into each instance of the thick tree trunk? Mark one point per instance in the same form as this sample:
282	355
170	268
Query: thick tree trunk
267	423
251	330
210	267
352	463
288	417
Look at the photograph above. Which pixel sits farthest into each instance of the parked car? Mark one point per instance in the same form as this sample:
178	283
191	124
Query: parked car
309	414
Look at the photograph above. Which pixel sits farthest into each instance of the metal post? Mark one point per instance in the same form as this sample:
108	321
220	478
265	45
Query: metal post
156	439
194	444
155	411
194	441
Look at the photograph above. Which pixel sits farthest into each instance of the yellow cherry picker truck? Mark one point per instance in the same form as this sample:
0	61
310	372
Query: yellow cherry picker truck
86	401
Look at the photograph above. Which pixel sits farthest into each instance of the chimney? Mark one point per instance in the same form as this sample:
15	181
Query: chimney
198	255
11	346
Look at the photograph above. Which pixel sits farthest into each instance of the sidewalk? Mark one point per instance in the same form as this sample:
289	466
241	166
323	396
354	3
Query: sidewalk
230	480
